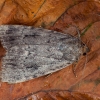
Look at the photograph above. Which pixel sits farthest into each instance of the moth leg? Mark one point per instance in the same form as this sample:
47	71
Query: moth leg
74	68
46	76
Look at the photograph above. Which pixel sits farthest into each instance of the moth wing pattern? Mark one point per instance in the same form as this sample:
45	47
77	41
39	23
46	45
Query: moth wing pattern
34	52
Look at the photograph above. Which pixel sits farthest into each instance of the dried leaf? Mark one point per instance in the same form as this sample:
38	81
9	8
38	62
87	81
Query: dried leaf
64	16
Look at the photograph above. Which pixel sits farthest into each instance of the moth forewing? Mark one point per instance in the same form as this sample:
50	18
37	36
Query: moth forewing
35	52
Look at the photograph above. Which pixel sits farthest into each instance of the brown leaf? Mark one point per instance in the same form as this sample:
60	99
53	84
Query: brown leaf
80	82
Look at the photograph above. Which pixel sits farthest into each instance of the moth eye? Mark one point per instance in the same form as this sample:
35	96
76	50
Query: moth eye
84	53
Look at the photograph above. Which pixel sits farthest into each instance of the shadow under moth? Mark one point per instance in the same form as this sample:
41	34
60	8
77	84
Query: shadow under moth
34	52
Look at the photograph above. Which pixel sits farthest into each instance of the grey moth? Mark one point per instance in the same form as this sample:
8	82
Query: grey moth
34	52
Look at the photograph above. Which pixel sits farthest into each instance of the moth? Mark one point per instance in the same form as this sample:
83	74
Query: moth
35	52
